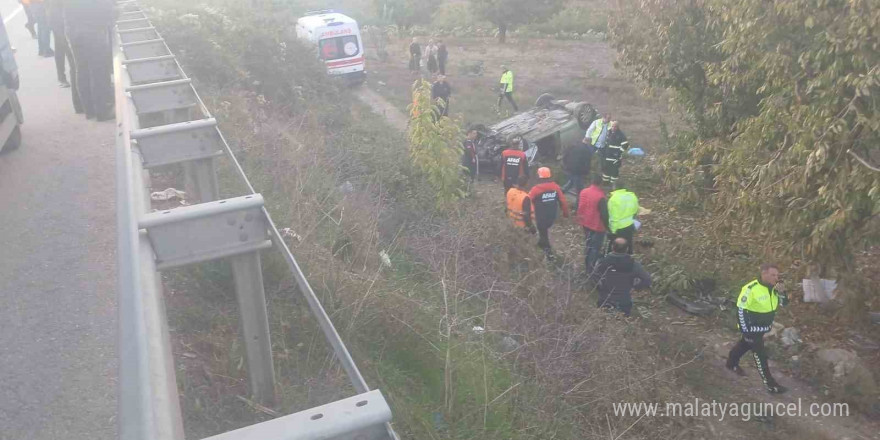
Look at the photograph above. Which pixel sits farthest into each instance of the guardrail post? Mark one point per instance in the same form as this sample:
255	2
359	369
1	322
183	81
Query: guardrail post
249	290
201	179
247	271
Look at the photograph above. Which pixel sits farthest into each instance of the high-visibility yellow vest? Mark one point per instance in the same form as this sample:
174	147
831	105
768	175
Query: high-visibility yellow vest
623	205
755	297
594	136
507	80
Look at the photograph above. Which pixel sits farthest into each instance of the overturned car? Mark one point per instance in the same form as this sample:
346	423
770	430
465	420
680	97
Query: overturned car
546	130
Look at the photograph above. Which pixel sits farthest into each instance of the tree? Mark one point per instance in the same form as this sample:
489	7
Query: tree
783	101
508	14
435	146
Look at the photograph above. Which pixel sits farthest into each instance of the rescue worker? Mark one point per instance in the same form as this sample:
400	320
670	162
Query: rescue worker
756	308
612	154
616	275
415	56
441	90
469	153
576	163
519	205
87	24
592	214
513	164
597	133
506	88
547	199
623	206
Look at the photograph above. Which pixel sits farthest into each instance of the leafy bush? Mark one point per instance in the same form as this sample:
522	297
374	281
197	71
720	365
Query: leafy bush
574	20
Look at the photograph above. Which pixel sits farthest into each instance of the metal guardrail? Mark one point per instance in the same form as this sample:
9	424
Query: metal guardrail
162	121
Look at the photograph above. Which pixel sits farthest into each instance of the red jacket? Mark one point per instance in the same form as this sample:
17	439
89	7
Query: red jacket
547	199
593	209
513	164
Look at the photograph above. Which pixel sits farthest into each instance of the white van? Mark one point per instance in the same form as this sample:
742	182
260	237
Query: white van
10	109
338	41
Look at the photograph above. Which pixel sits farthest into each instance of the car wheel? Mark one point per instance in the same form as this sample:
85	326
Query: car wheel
585	114
544	100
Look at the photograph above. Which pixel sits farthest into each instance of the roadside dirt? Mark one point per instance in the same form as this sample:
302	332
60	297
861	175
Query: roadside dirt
708	338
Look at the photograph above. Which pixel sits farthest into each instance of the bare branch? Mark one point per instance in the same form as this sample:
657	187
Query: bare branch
863	161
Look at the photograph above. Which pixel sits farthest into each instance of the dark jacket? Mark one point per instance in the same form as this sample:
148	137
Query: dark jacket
88	14
441	90
547	199
615	276
576	159
415	50
442	53
615	145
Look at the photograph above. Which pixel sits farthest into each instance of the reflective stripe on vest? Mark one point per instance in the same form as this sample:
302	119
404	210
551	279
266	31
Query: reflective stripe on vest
755	297
623	205
515	199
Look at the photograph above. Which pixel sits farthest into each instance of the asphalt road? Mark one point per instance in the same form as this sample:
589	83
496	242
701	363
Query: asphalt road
57	263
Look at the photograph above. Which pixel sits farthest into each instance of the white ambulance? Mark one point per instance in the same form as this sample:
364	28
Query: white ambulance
338	41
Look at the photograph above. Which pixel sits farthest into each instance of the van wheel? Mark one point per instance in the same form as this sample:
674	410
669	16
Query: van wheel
14	140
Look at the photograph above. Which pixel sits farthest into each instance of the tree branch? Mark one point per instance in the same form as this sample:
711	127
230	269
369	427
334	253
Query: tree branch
863	161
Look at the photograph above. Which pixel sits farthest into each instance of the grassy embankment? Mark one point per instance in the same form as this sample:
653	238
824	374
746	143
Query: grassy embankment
547	363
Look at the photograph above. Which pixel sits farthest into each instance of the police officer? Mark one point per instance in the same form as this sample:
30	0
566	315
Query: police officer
756	308
87	24
514	164
623	205
505	89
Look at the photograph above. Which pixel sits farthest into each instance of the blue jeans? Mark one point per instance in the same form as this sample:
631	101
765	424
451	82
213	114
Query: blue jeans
595	240
44	33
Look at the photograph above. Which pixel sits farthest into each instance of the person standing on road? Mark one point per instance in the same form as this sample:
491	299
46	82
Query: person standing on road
44	32
547	199
756	309
55	13
519	205
31	22
441	90
592	214
616	275
612	154
415	56
506	88
514	164
623	206
597	132
469	155
576	163
431	53
87	24
442	56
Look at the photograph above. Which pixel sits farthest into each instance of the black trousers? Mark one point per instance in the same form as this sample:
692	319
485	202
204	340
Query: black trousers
91	60
544	238
755	343
509	96
441	63
626	233
62	51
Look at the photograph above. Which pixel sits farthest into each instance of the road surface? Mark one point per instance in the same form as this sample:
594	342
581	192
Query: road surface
57	262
